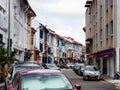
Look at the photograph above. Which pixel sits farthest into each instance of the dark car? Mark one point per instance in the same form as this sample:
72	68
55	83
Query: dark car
19	66
42	80
81	69
76	67
50	66
24	66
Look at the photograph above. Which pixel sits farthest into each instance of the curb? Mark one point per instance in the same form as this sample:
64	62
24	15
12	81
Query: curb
117	85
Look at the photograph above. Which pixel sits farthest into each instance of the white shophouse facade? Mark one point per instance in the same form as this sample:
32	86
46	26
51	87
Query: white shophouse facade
3	23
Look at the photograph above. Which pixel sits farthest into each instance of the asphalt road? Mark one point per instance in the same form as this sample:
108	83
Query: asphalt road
88	85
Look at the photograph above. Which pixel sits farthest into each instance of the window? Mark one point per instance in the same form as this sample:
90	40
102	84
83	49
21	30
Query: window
107	31
41	47
41	33
1	38
106	3
111	2
111	27
101	11
49	50
101	34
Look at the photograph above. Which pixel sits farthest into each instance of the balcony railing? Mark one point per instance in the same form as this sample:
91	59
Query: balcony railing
89	1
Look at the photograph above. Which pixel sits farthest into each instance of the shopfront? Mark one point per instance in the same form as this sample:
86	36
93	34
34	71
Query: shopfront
105	59
90	59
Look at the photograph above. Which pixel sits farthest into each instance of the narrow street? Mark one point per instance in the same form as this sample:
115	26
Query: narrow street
88	85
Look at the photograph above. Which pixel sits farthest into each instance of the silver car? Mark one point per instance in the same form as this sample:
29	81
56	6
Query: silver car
91	72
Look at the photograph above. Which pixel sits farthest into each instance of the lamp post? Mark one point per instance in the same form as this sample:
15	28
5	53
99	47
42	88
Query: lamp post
9	26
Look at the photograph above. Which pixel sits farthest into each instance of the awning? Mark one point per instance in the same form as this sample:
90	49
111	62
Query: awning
91	56
105	53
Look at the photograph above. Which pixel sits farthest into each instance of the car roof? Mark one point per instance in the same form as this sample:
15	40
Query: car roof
26	64
90	66
43	71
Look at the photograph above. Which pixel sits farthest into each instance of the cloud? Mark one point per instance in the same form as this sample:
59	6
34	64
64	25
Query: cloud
59	7
65	17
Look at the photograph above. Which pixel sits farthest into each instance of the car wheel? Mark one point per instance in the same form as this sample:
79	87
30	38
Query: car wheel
85	77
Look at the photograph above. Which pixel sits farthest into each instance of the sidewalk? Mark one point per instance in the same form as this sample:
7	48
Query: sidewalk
112	80
2	86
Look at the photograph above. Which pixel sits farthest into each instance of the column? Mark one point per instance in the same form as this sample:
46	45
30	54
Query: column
101	65
117	62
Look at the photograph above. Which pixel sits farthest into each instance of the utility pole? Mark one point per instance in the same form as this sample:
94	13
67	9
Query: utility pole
9	27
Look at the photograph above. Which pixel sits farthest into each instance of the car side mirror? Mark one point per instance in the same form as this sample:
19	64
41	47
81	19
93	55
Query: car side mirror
77	86
11	88
83	70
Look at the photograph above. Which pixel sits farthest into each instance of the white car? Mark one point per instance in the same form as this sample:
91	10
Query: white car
70	65
91	72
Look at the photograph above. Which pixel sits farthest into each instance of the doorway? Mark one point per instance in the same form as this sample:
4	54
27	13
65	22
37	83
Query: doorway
104	65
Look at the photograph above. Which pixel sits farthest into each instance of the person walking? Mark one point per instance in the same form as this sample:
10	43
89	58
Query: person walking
4	72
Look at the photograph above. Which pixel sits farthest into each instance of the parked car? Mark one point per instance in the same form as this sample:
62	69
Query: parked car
50	66
76	67
69	65
42	80
27	62
81	69
23	65
91	72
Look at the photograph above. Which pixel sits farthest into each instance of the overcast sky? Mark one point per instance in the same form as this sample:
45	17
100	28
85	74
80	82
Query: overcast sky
65	17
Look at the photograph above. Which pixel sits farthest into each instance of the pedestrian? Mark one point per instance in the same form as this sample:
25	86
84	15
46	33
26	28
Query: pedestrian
4	72
117	75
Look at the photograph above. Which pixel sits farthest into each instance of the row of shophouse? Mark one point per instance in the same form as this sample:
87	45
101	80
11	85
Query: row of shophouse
54	47
103	34
29	35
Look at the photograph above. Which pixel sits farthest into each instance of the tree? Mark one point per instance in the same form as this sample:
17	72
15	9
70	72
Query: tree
4	57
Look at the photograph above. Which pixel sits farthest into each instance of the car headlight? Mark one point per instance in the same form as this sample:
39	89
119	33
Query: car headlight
98	73
86	73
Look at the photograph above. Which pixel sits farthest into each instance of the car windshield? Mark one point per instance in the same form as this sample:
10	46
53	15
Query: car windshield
91	68
51	65
45	82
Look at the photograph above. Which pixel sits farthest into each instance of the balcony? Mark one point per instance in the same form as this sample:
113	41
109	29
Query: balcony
88	3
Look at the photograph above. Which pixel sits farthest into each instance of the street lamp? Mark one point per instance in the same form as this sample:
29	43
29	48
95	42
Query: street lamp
9	26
